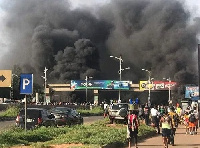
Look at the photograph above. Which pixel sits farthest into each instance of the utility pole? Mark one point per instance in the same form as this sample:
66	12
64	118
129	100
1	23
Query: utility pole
86	85
86	79
169	86
149	82
45	83
12	86
169	90
120	73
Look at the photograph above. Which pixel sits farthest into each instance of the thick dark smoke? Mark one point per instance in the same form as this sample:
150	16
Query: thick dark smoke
156	35
152	34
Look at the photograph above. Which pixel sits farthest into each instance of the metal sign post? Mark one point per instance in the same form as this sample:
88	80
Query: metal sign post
25	118
26	87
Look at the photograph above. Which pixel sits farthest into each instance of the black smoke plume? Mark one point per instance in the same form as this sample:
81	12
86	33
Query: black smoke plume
152	34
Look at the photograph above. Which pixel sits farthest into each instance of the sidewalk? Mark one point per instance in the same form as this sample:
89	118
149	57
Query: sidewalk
181	140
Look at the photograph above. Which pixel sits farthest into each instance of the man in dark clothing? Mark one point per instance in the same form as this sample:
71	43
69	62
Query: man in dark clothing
146	114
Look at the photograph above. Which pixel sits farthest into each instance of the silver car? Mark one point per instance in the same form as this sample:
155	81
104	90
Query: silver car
118	111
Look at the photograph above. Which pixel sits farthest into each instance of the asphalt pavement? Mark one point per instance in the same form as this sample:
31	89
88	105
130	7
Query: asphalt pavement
8	124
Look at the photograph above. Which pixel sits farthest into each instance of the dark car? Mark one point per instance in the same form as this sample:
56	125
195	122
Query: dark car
35	117
66	116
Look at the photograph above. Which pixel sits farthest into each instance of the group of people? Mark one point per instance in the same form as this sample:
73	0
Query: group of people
190	120
165	119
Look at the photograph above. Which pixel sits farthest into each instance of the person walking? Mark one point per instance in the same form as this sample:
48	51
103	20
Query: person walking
167	126
146	114
162	110
192	123
186	122
140	112
155	118
106	111
132	127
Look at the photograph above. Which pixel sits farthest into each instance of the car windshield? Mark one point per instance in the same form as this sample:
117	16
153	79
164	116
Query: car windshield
119	106
61	110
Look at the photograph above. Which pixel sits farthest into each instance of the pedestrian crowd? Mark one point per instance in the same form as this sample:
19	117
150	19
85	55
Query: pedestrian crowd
165	119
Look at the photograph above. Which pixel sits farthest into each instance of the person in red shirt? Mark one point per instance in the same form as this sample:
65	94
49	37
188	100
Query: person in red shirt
132	126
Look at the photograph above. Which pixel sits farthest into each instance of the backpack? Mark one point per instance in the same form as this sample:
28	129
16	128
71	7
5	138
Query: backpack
132	120
192	118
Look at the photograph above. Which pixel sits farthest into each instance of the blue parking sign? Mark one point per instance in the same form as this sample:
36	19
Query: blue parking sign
26	83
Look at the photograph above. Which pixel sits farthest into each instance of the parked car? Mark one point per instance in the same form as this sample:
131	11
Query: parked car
9	102
35	117
118	111
66	116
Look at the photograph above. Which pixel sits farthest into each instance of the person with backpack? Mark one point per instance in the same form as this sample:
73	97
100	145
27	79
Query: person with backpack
192	123
132	127
167	126
174	116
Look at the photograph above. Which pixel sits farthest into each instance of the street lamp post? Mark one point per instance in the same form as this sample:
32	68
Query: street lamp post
86	85
120	72
12	86
45	83
149	82
169	86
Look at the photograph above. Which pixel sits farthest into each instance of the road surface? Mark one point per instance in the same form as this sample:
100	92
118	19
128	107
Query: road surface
181	140
8	124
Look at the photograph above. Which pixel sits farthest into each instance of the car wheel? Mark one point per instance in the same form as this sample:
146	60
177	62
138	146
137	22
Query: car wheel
123	112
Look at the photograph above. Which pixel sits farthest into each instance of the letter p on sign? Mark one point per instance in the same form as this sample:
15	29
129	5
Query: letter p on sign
26	83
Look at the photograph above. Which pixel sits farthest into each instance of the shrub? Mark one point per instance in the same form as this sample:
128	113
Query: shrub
95	111
98	134
11	111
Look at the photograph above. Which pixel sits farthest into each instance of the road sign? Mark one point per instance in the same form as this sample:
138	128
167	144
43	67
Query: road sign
26	83
5	78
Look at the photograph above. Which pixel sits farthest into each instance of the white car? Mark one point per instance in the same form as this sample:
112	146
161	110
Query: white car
118	111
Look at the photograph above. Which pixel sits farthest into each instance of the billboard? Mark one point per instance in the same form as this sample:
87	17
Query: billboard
191	91
5	78
100	84
164	85
157	85
144	85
